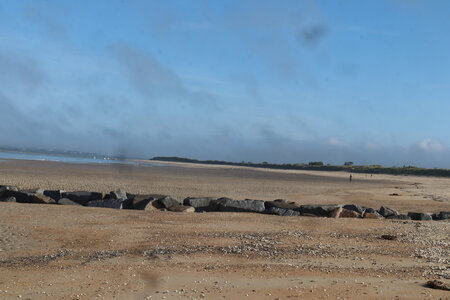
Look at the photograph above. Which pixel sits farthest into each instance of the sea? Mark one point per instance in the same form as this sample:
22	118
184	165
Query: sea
73	159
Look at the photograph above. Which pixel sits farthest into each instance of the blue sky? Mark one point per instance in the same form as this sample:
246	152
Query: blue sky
278	81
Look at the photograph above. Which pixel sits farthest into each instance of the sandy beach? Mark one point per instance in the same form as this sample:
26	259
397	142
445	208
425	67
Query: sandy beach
65	252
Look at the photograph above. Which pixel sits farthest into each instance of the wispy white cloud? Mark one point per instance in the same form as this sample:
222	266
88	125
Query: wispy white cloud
430	145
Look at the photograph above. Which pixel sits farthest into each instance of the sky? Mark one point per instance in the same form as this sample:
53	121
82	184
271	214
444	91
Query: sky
277	81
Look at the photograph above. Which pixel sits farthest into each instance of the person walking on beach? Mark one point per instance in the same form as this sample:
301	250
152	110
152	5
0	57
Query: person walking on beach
350	177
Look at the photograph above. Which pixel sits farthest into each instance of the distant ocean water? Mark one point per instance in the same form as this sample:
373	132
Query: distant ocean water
71	159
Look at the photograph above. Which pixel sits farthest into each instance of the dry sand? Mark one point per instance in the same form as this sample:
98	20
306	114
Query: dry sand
64	252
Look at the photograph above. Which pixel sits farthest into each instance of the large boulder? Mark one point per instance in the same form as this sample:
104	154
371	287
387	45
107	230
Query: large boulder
285	212
54	194
8	199
386	211
41	198
319	210
355	208
82	197
247	205
444	215
200	204
347	213
147	202
22	197
418	216
181	208
118	194
65	201
281	203
167	202
371	214
108	203
398	217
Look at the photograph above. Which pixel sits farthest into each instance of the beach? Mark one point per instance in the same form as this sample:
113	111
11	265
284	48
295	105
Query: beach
68	252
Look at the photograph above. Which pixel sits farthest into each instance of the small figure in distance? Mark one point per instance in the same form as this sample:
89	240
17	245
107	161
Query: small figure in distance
350	177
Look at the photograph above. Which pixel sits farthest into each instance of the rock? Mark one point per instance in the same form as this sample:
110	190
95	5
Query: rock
319	210
355	208
38	191
398	217
108	203
246	205
167	202
335	213
444	215
8	199
65	201
2	191
436	284
370	210
389	237
200	204
181	208
147	202
420	216
21	197
386	211
281	203
347	213
54	194
8	188
118	194
285	212
41	198
82	197
372	215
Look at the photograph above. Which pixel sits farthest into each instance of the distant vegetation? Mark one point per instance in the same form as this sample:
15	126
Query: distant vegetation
320	166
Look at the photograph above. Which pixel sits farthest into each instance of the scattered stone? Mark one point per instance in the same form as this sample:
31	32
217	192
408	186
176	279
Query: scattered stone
386	211
282	212
82	197
281	203
167	202
420	216
347	213
354	207
147	202
8	199
181	208
200	204
65	201
108	203
436	284
389	237
319	210
246	205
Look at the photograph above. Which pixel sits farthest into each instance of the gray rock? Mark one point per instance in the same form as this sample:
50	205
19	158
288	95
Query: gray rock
319	210
54	194
167	202
354	207
247	205
65	201
42	199
21	197
118	194
370	210
398	217
82	197
200	204
147	202
420	216
386	211
281	203
2	191
444	215
108	203
8	199
372	214
8	188
181	208
285	212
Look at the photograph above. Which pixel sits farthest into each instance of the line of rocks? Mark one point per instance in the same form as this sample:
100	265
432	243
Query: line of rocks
120	199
